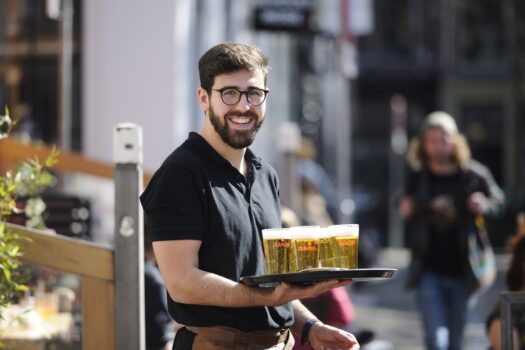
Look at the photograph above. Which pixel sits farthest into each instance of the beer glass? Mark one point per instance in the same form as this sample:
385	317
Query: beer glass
329	252
305	241
346	237
277	244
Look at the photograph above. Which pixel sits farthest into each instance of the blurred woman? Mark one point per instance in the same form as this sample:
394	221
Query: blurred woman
446	196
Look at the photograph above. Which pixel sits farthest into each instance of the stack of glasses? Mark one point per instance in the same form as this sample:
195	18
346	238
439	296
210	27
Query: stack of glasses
306	247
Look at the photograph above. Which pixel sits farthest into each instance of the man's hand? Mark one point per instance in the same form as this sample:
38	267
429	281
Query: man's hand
325	337
285	292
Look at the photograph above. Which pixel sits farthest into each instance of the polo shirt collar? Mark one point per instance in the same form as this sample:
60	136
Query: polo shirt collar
252	159
199	142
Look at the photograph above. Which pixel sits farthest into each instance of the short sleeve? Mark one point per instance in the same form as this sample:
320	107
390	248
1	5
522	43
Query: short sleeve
174	204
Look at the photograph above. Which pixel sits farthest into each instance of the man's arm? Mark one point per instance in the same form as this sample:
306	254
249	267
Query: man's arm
179	266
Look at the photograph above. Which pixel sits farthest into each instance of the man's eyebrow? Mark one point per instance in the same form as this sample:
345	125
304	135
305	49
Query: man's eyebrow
238	88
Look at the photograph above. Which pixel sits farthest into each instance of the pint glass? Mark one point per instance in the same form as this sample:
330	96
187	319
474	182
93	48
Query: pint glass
329	252
305	241
346	237
277	250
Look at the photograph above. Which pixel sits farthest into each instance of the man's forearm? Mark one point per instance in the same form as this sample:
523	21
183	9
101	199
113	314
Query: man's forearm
203	288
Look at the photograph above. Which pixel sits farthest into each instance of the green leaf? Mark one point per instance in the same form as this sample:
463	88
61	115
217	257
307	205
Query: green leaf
14	250
7	275
22	288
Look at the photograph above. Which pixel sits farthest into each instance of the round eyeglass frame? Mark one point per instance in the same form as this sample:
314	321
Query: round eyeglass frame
241	92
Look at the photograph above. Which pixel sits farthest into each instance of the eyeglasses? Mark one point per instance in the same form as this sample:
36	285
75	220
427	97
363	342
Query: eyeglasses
231	96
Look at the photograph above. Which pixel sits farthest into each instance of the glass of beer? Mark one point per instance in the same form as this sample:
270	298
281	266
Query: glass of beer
305	240
277	244
329	252
346	237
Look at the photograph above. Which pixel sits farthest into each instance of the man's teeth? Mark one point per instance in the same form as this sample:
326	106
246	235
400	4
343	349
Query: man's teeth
240	120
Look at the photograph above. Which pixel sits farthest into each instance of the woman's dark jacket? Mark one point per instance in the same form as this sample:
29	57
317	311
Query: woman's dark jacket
475	178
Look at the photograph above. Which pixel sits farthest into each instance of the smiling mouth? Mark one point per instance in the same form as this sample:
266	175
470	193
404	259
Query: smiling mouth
241	121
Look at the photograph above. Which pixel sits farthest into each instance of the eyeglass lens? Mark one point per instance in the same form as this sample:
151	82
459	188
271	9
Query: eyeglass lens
233	96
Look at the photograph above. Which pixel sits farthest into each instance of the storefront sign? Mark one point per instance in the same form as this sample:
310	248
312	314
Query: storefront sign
285	15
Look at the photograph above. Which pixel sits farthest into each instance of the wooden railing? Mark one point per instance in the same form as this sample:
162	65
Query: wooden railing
13	151
94	264
112	279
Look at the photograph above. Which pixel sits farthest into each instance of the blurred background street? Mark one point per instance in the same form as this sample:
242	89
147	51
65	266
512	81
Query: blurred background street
388	309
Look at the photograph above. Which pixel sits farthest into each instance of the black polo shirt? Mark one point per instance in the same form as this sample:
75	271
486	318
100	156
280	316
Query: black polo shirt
197	194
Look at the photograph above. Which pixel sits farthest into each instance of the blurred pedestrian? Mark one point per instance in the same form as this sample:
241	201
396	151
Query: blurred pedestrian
316	181
446	197
520	231
160	328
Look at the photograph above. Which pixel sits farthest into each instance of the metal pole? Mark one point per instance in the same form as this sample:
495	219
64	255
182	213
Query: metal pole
347	70
288	141
396	165
66	74
129	244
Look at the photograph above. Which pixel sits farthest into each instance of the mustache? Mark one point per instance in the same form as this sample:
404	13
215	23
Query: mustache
241	114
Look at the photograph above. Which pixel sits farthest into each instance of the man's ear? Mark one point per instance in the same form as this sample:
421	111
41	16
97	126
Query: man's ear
204	99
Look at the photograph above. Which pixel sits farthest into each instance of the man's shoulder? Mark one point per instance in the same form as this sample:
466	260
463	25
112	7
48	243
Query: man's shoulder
183	163
184	154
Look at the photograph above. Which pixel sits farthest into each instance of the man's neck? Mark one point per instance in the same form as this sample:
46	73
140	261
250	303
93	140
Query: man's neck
232	155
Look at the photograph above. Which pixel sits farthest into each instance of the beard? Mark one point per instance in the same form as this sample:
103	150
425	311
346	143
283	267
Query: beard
237	139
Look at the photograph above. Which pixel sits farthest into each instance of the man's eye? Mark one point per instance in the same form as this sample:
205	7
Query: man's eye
230	92
258	93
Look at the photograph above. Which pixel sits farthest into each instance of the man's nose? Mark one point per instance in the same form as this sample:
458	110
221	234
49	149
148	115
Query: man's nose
243	102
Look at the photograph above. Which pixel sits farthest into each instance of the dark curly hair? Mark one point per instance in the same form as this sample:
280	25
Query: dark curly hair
229	58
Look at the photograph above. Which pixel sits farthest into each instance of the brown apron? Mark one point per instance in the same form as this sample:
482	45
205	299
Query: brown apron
225	338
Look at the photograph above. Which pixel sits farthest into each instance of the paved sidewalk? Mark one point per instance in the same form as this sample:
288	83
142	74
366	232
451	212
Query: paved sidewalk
388	309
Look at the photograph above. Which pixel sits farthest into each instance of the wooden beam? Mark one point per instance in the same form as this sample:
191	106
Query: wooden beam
98	315
66	254
13	151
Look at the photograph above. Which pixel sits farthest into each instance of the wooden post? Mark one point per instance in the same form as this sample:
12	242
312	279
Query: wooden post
98	329
129	254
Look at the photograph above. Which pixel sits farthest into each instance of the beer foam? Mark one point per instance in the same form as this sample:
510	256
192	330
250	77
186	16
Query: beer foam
324	232
306	232
276	233
344	230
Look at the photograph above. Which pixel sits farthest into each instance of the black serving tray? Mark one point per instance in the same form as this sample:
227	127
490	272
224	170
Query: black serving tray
312	276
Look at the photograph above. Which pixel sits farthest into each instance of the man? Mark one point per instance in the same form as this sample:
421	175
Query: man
206	207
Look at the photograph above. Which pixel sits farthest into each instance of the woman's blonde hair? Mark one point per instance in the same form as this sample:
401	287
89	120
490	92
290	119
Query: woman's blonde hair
416	156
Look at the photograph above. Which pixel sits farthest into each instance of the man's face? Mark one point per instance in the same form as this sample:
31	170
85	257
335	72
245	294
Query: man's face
238	124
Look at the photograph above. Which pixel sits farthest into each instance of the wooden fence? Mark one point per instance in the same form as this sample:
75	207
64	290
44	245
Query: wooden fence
94	265
112	279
